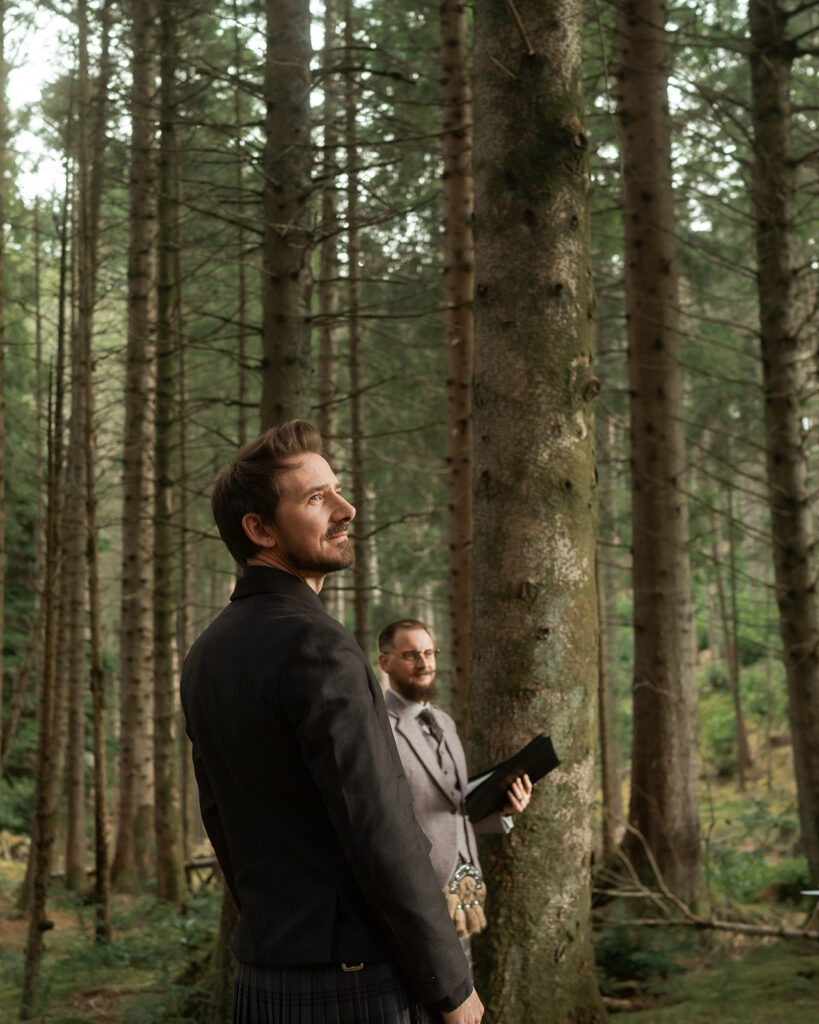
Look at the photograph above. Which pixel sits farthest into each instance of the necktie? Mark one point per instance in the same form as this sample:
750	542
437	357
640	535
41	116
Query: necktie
428	720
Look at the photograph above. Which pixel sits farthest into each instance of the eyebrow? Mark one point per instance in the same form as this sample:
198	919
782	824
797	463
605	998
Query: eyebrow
318	488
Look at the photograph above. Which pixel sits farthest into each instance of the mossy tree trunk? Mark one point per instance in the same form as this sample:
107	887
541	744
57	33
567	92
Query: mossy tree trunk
535	605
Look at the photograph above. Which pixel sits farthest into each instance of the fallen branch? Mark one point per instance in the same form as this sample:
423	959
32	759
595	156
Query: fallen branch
739	927
668	903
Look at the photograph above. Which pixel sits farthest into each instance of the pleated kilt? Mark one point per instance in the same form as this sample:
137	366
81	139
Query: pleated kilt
325	995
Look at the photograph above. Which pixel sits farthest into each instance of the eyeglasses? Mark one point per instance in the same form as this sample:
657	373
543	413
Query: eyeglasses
418	655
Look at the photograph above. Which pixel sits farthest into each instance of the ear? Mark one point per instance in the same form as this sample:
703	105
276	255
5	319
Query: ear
262	536
382	661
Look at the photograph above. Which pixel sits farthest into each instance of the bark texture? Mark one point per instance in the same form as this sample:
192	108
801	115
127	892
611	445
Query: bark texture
360	498
663	805
42	832
170	878
535	665
90	216
3	143
287	236
786	360
459	259
135	825
327	419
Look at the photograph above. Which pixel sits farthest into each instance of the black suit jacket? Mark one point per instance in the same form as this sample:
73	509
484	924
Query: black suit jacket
304	797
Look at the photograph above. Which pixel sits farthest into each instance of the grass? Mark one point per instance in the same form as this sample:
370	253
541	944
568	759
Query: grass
776	983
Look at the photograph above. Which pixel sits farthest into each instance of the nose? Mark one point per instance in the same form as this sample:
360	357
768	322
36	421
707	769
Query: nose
344	510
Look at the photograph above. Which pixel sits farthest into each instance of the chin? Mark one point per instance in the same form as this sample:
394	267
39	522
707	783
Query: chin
419	691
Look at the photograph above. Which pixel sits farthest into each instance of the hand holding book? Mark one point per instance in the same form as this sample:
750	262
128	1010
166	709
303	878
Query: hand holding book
487	791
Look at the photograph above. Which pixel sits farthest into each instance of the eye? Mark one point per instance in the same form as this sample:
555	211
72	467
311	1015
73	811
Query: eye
316	498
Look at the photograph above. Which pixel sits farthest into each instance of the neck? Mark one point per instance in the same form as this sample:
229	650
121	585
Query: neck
273	560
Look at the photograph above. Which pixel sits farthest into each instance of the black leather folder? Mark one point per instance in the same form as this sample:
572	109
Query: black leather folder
487	791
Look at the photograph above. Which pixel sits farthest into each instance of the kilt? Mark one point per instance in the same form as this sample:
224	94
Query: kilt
325	994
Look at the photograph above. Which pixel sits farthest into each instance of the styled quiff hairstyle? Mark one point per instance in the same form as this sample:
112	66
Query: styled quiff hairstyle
387	634
252	481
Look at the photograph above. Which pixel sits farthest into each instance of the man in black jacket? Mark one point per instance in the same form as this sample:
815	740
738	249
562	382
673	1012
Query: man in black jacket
301	788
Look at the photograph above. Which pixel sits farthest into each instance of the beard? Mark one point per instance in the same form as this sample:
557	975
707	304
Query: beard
342	558
415	690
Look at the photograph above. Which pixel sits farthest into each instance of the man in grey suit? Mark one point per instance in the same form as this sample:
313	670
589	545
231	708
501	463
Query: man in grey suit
435	767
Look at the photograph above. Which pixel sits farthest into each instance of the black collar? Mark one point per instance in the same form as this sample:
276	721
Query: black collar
264	579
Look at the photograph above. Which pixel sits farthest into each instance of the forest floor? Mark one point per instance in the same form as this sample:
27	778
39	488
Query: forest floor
649	975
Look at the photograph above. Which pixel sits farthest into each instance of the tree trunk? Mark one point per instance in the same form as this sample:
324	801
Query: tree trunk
3	144
535	504
328	286
785	361
241	261
132	861
189	805
729	639
327	419
459	257
51	574
607	575
170	879
663	807
287	238
74	539
31	665
361	543
90	217
609	782
43	818
222	967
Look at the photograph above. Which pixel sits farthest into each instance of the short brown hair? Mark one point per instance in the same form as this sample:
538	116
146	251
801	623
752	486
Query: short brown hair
387	634
252	481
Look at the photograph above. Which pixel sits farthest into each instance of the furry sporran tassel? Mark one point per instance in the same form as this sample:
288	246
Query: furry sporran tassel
465	897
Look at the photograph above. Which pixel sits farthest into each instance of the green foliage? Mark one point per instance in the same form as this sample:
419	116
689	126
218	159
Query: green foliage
150	952
16	800
744	876
765	694
751	850
764	708
628	952
717	728
776	984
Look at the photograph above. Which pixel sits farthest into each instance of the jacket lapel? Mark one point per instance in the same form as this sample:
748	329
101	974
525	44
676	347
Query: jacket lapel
411	731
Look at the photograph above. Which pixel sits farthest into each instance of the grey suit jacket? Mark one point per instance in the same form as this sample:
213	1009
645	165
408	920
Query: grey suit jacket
437	798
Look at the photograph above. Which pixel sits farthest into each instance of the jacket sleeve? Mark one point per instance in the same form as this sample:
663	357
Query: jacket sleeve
494	823
333	702
212	821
